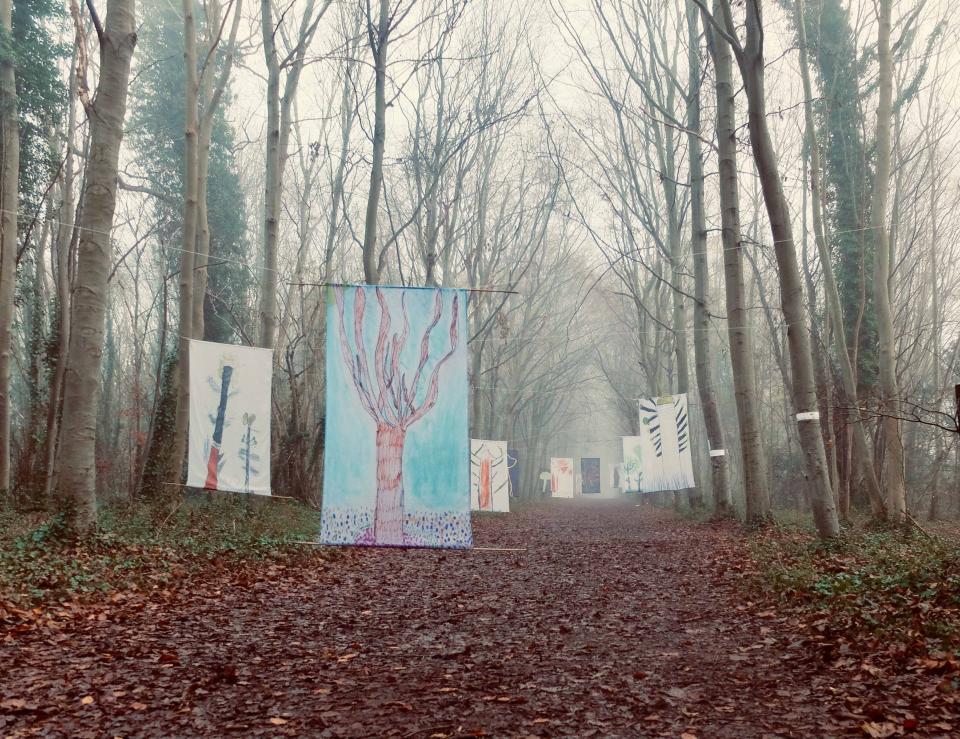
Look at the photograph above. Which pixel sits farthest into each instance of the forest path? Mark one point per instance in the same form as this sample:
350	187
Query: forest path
617	620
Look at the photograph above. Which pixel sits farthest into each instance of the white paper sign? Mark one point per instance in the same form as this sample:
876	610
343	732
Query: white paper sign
718	452
809	416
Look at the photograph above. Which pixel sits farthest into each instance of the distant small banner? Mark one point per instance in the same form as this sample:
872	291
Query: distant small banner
489	476
616	476
229	439
590	475
513	467
561	477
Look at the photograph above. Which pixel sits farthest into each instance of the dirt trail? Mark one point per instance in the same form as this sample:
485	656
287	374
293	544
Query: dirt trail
615	621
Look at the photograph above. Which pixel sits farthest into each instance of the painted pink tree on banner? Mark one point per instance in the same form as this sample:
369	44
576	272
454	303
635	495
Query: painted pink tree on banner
389	397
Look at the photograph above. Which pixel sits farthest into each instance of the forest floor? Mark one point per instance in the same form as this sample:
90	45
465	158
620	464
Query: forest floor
614	620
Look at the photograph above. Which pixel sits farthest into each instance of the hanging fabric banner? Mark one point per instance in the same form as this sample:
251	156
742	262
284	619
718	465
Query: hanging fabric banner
513	466
489	476
590	473
229	439
561	477
395	461
631	471
616	476
665	444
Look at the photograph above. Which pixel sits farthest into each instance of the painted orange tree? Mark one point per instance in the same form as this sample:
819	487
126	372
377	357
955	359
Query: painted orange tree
392	396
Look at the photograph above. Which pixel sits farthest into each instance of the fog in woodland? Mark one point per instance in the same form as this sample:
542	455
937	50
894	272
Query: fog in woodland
645	198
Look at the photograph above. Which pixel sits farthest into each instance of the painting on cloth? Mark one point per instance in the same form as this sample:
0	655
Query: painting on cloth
513	467
561	477
665	442
229	436
489	476
396	439
631	470
616	476
590	475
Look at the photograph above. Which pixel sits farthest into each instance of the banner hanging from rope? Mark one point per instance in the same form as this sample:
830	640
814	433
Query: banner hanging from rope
513	465
665	444
229	439
561	477
397	444
616	476
590	475
489	476
631	471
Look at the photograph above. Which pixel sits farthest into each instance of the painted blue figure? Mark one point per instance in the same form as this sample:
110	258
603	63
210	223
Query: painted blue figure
214	462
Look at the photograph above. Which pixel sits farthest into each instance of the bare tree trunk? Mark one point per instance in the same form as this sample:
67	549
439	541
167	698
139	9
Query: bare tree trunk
188	249
61	257
378	45
719	474
939	452
862	452
271	186
9	203
751	62
278	136
756	492
76	478
889	392
209	101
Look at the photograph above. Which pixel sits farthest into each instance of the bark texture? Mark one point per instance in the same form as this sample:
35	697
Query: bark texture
76	478
862	450
719	474
379	39
9	207
892	444
756	491
751	61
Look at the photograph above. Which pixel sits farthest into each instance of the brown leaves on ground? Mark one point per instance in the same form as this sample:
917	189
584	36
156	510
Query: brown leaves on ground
616	621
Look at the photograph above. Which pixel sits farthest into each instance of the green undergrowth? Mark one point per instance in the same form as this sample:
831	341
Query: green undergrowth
144	547
892	584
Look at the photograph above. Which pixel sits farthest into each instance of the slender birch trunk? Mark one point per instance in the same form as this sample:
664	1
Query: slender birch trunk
211	92
719	474
862	450
61	258
751	62
278	136
756	492
189	243
271	186
889	391
76	477
9	207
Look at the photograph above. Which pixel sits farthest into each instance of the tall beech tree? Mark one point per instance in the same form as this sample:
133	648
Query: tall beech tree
76	477
750	59
739	333
9	208
892	444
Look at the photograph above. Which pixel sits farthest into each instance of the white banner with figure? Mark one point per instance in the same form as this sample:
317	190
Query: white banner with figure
665	444
230	417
